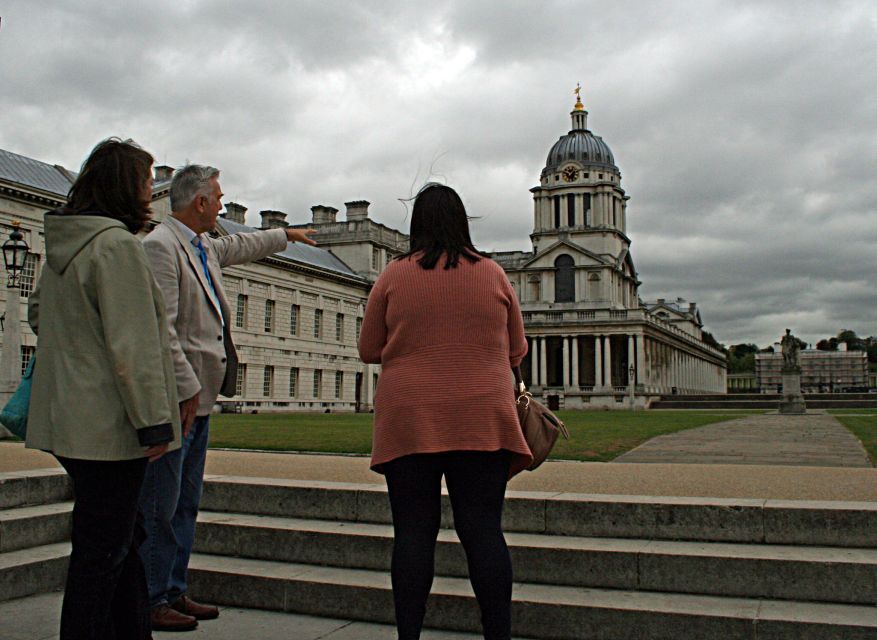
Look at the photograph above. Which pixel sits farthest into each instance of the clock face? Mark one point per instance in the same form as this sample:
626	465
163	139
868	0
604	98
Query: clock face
570	174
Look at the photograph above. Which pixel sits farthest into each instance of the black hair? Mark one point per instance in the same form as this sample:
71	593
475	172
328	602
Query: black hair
111	184
439	225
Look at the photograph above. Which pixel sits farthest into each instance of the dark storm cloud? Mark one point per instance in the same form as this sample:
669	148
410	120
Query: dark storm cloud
745	131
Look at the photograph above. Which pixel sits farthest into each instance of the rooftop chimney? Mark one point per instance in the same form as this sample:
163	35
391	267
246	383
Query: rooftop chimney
235	212
273	219
163	173
357	210
323	214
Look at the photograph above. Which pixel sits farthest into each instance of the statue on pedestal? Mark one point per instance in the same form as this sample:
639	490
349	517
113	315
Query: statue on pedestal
790	347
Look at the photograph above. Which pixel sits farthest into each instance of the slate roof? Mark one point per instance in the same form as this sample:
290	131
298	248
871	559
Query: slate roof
297	251
35	174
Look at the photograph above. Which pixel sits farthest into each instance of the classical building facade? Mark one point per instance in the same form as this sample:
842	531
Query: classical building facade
821	371
297	312
593	341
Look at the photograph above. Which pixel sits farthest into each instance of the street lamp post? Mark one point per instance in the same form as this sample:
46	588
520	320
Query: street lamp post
14	256
631	374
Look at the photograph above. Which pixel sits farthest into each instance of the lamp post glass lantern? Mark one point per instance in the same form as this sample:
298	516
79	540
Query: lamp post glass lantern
14	255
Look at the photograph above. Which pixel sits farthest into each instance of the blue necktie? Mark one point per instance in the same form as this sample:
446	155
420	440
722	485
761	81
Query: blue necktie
203	254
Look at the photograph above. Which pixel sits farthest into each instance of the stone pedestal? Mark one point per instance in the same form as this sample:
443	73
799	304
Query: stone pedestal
792	401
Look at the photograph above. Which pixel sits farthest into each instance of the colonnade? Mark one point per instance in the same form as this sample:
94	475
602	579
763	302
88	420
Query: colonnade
658	366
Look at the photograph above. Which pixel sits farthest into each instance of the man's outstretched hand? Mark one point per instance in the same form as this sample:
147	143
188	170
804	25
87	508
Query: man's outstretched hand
300	235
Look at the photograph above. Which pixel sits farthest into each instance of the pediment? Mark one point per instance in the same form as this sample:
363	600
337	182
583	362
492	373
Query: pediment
582	256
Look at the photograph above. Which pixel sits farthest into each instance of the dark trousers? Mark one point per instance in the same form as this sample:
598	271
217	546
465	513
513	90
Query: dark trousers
105	596
476	482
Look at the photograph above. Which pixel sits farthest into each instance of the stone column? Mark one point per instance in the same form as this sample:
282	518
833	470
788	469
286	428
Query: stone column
598	362
641	377
566	378
543	361
631	360
575	363
607	362
10	359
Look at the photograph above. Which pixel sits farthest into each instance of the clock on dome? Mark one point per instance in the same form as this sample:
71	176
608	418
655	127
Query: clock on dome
570	173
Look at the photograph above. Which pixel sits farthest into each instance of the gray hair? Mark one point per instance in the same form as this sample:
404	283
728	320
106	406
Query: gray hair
188	183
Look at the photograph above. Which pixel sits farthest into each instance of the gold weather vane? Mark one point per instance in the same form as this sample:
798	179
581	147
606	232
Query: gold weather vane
579	106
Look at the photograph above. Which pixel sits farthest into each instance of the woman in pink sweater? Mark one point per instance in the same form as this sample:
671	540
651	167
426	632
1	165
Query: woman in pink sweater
444	323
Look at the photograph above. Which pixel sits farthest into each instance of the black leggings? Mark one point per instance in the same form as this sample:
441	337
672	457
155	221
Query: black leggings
476	482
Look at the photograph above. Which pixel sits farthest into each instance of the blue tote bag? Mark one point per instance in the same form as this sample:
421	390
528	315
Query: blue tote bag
14	414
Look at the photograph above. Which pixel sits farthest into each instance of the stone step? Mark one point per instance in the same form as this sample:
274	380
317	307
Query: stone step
547	612
24	527
39	486
35	570
789	522
824	574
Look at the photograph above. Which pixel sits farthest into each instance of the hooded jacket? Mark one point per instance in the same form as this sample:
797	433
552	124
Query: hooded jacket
103	385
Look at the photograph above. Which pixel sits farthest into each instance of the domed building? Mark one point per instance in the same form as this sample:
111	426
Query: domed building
592	339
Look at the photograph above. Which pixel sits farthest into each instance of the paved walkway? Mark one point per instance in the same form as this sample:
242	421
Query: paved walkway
44	613
811	440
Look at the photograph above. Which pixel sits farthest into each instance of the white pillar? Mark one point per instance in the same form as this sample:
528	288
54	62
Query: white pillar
543	361
631	360
575	363
534	362
641	377
10	358
598	362
566	378
607	362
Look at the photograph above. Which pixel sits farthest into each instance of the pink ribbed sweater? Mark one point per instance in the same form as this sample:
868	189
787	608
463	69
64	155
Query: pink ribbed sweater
446	340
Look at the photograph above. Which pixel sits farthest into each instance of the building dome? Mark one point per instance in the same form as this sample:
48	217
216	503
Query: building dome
580	145
583	147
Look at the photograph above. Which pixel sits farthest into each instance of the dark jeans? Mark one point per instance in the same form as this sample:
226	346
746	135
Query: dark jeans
105	597
169	504
476	482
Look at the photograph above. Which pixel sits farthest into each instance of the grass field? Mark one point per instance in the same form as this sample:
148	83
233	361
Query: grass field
594	436
865	429
841	412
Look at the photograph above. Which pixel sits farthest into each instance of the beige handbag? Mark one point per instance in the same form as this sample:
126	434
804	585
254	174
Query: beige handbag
540	426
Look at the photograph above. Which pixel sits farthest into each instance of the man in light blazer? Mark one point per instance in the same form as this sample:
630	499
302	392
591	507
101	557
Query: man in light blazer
186	262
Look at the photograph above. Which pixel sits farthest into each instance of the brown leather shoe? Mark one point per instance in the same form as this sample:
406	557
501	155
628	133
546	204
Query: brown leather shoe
166	619
189	607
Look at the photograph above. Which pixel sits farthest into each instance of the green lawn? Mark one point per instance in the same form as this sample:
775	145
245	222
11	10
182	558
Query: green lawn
840	412
865	429
598	436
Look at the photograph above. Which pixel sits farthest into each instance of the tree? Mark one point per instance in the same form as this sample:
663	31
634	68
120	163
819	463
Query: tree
829	344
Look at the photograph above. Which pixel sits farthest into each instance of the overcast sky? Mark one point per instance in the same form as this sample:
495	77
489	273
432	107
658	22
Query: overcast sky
746	132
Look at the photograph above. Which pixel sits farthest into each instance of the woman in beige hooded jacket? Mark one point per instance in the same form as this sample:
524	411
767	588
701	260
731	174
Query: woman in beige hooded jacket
103	398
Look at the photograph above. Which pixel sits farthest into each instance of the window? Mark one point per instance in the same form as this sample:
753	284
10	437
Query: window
293	319
534	284
240	319
571	210
26	355
268	382
388	257
318	382
556	212
339	327
269	316
595	292
318	323
358	328
241	385
376	258
564	279
339	383
28	274
293	382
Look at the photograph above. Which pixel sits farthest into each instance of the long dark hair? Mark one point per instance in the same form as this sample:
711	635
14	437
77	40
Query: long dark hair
111	184
439	225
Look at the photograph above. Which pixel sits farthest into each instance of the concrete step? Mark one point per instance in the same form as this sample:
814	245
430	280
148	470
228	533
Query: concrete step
35	570
24	527
548	612
787	522
823	574
39	486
